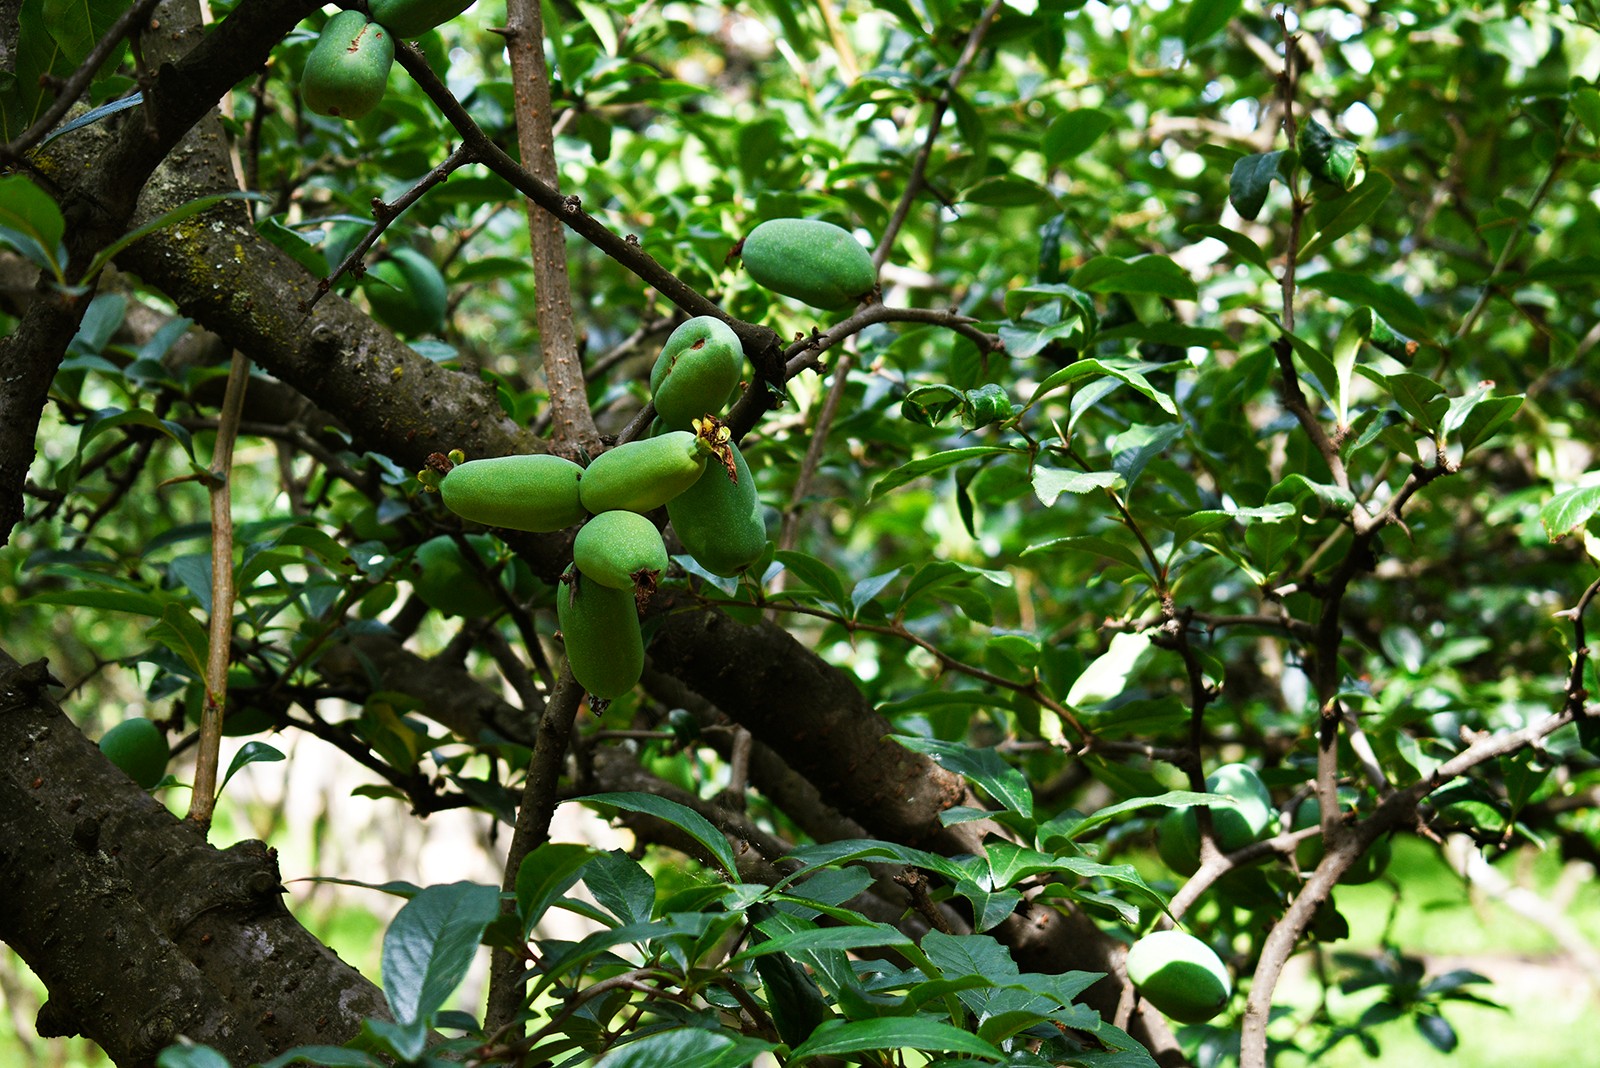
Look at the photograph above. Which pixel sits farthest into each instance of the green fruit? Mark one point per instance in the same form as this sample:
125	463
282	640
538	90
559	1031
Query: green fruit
622	550
348	68
643	475
1237	823
139	748
1308	854
718	519
407	293
1179	975
697	370
413	18
447	582
600	626
535	491
813	261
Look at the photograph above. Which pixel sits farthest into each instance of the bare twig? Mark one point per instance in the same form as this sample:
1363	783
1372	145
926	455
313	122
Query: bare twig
203	799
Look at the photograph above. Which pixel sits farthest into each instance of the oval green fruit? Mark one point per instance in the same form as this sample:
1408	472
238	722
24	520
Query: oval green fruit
600	625
643	475
139	748
1238	822
1308	854
697	371
622	550
348	68
1179	975
407	293
447	582
813	261
536	492
718	519
413	18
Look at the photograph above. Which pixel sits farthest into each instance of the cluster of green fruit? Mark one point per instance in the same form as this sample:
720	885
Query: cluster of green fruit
1248	815
348	69
619	553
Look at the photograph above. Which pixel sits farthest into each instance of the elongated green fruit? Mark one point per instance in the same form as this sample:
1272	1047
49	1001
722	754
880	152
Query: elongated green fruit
348	69
1237	822
407	293
1179	975
718	519
697	370
811	260
600	625
413	18
622	550
139	748
645	474
536	492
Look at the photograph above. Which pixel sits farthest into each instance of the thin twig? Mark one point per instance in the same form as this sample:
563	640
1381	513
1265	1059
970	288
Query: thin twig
203	799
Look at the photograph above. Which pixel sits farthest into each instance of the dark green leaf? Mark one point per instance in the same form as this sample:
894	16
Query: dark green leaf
1253	176
250	753
1070	135
1332	219
430	945
1207	17
685	819
545	874
928	465
985	767
1156	275
837	1038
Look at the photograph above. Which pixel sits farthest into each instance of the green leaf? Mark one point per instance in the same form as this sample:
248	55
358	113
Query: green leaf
1253	176
620	885
688	1047
1086	543
191	1057
682	817
1485	419
985	767
1353	334
1391	302
183	634
928	465
139	604
1421	398
545	874
1296	487
1133	448
1241	246
1156	275
1050	483
1082	369
250	753
865	936
815	574
113	418
1585	105
869	588
1566	512
1337	164
1107	675
837	1038
1070	135
430	945
31	223
1206	17
1170	799
1332	219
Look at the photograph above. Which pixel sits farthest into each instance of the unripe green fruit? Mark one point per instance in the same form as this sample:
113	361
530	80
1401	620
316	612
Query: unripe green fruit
718	519
535	491
1236	823
1179	975
407	293
447	582
600	625
696	372
643	475
813	261
622	550
1308	854
413	18
348	68
139	748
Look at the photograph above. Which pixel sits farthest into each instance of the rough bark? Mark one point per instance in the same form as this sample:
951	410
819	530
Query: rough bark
138	928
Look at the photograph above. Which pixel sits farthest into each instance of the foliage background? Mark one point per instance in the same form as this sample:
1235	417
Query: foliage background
1079	131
